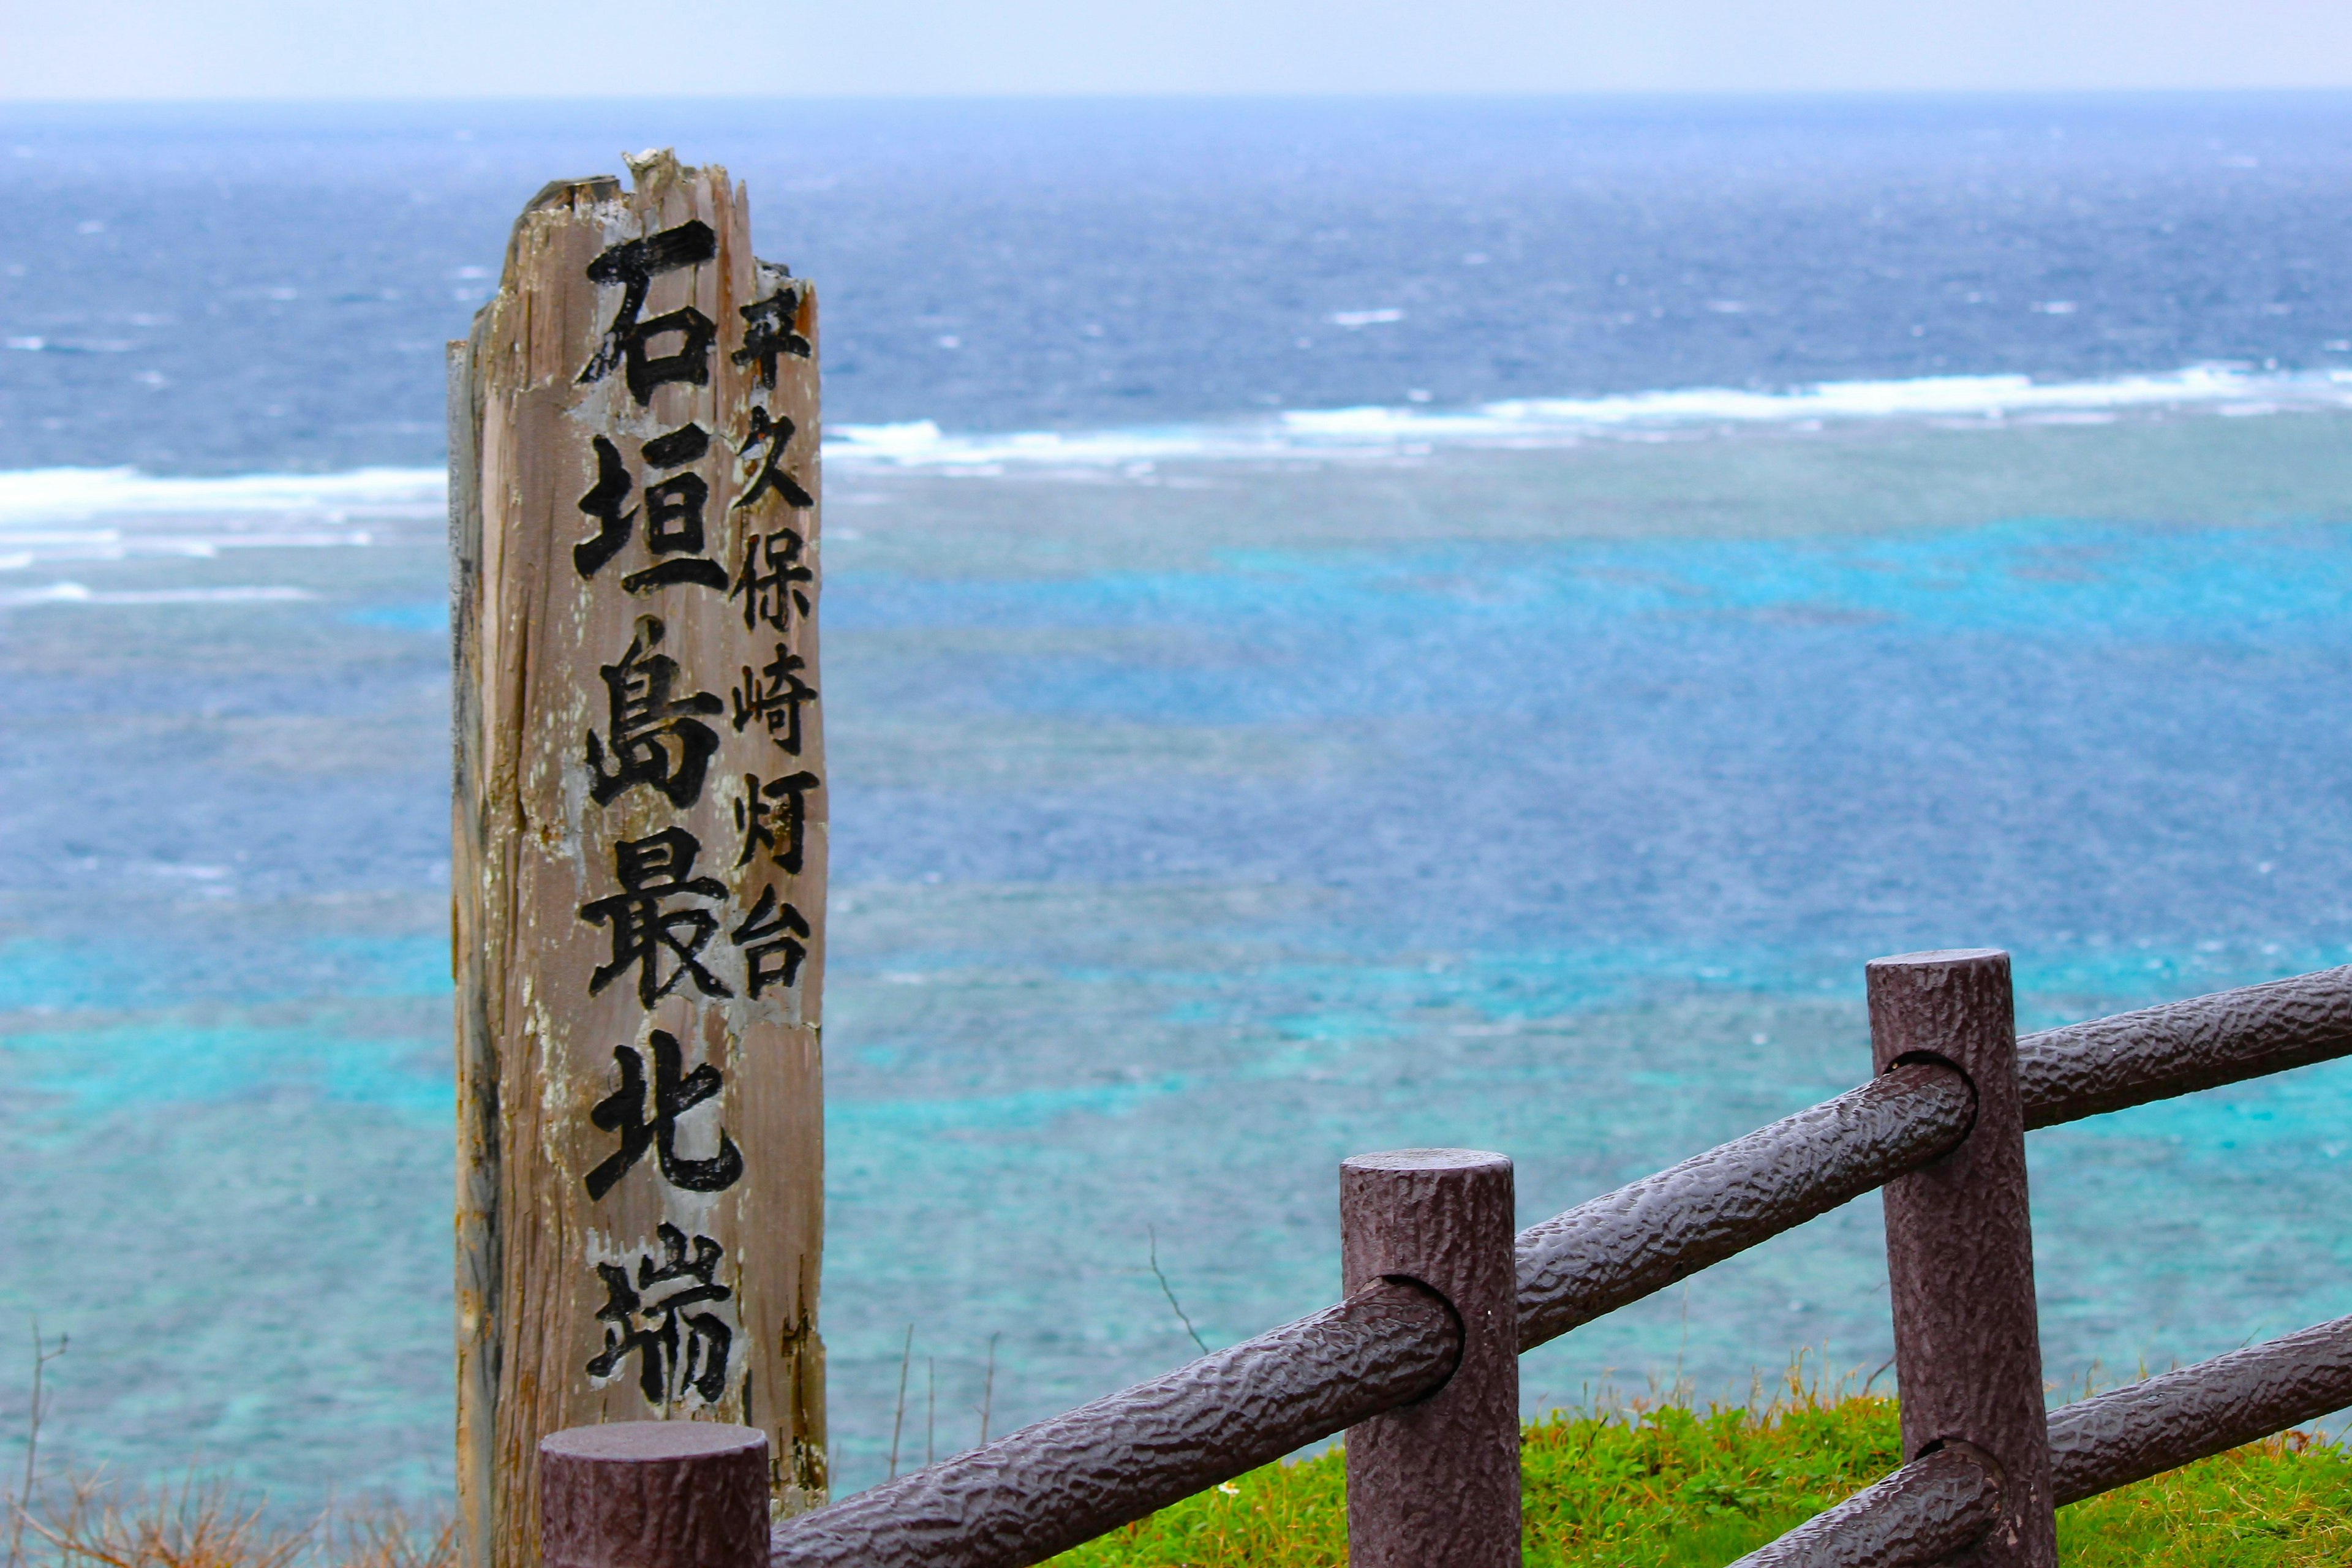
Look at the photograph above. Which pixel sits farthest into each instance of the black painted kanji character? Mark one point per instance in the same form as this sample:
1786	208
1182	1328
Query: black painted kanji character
776	700
776	435
766	812
770	584
634	265
603	502
645	1319
675	1092
653	870
654	740
771	931
772	326
673	513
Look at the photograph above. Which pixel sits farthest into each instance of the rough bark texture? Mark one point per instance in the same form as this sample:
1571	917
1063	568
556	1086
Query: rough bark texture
2098	1445
1435	1484
1959	1248
1936	1020
2156	1053
1628	1243
1929	1510
1940	1503
653	1494
634	561
1641	1239
1065	1480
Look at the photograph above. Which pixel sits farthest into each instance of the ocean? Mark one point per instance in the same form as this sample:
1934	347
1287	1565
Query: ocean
1350	623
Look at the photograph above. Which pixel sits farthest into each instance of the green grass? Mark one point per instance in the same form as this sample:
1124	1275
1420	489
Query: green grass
1667	1487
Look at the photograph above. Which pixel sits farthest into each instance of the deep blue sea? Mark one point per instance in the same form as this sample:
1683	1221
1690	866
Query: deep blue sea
1349	624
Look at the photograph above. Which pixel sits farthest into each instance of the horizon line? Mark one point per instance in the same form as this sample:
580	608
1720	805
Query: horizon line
1097	95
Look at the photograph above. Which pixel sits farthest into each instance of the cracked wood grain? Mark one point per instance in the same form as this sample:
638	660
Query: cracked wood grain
633	483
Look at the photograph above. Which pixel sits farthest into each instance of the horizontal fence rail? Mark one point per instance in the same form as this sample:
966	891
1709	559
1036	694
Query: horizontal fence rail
1068	1480
1065	1480
1944	1501
1940	1503
2157	1053
1634	1242
2178	1417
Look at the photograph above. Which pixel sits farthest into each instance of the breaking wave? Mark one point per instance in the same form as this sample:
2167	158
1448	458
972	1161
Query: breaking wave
64	515
1550	422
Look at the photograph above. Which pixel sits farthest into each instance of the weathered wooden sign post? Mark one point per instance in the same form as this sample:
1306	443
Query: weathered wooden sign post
640	861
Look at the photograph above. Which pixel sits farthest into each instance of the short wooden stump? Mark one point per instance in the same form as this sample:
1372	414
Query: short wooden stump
653	1494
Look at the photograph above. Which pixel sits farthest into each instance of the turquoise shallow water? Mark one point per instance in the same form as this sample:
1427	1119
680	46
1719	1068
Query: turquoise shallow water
1196	828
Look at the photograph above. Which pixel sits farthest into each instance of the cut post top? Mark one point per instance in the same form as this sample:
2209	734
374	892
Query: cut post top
1954	1004
1941	958
648	1442
1427	1159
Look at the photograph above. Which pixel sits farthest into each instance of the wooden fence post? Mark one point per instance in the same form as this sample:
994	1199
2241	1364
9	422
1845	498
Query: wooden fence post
1960	1248
1436	1484
653	1494
640	841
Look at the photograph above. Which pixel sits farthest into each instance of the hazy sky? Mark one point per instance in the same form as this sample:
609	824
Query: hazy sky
399	48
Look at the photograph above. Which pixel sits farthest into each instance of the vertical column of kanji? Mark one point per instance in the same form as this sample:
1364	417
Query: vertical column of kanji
641	841
777	809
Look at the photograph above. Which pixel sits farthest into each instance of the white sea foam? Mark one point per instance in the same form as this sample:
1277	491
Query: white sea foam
81	594
1388	431
55	495
65	515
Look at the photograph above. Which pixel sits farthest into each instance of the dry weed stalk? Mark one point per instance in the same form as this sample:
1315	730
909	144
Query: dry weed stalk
201	1525
197	1526
385	1538
35	1410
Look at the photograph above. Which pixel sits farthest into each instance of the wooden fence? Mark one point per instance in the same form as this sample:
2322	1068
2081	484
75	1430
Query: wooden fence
1418	1361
